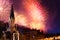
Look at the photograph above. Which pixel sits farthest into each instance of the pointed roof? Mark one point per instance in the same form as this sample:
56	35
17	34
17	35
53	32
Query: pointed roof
12	12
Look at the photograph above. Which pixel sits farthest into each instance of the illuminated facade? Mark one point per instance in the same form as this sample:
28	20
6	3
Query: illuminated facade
51	38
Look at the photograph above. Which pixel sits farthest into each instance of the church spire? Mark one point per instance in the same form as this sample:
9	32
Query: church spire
12	13
12	20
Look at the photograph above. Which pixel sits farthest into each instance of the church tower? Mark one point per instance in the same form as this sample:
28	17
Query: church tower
12	20
13	29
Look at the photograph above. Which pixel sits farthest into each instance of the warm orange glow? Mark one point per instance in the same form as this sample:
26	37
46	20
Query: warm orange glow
46	39
36	15
58	37
37	26
33	17
51	38
20	19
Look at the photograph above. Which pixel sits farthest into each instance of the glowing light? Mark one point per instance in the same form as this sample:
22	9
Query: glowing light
46	39
36	15
51	38
20	19
37	26
58	37
1	8
33	16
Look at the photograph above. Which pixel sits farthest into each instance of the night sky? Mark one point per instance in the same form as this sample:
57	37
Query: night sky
53	8
49	9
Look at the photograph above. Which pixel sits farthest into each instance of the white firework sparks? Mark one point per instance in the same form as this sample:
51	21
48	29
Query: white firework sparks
4	10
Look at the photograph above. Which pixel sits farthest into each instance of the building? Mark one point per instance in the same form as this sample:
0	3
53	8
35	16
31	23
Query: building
12	32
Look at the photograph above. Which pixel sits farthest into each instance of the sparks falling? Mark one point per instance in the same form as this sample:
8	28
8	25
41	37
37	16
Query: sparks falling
33	18
4	10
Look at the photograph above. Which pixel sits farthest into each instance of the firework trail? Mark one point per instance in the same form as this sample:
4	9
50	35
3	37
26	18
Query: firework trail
29	13
34	16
